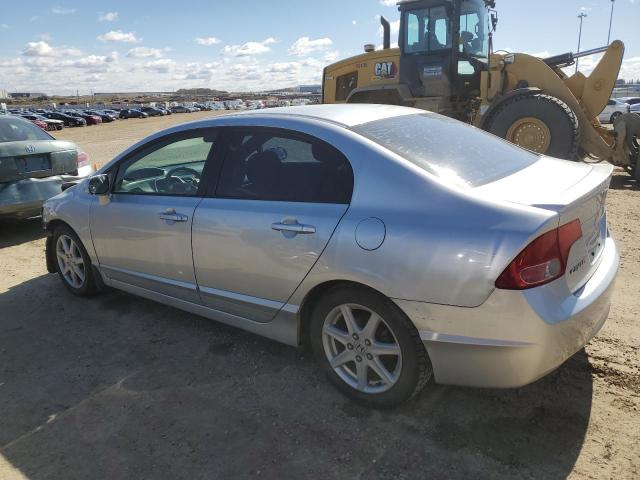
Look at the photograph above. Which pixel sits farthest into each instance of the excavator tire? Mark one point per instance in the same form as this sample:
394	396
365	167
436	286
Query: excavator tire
541	123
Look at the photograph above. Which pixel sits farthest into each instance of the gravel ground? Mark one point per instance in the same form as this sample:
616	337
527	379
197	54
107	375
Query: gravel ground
119	387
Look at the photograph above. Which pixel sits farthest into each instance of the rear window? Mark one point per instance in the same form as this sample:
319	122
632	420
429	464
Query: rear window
17	129
447	148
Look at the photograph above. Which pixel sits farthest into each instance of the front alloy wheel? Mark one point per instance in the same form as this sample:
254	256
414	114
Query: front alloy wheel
70	262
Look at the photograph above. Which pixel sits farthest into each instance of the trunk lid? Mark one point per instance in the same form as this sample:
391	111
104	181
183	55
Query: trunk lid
36	159
572	190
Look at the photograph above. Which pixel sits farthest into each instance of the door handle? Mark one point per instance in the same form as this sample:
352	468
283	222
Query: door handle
172	216
293	228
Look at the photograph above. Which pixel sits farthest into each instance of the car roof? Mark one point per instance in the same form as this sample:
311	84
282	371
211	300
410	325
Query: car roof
348	115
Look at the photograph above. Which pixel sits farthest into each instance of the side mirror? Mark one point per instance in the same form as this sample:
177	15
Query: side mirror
99	184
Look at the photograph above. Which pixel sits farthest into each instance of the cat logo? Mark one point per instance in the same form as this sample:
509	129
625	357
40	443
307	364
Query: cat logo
384	69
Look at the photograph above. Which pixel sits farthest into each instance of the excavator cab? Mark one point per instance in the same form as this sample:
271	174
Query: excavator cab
444	46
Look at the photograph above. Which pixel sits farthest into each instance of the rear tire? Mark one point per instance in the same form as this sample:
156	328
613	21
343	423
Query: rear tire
73	263
377	355
614	117
531	118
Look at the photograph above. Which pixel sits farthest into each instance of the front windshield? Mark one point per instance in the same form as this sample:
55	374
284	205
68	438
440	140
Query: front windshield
474	40
427	30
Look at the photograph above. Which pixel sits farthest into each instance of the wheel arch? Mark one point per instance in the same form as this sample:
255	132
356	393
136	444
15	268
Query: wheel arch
49	250
314	295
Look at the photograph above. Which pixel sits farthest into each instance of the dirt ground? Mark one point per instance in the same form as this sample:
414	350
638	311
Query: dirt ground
119	387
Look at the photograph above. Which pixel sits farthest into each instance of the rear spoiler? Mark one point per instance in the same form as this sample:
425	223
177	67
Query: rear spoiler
566	59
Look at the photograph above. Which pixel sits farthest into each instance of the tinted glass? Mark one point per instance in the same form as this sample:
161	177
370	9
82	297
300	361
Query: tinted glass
173	167
448	149
14	129
262	165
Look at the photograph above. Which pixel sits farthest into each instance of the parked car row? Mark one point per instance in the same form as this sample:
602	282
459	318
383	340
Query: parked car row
51	120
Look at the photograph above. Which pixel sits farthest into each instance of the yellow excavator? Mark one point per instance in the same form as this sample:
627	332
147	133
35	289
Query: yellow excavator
445	63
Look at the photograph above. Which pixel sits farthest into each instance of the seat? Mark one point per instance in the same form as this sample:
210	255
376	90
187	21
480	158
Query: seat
263	173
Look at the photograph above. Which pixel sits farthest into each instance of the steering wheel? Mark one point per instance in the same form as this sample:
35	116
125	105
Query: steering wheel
189	170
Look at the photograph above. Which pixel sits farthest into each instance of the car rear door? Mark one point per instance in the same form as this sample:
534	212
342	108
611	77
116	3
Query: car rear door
142	230
279	198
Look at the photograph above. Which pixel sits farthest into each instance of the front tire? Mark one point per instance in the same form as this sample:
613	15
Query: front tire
368	348
73	263
540	123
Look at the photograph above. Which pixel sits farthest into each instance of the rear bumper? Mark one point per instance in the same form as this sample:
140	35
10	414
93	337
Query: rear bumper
24	198
515	337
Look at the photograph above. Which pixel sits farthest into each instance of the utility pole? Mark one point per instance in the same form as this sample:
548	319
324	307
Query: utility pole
610	20
581	16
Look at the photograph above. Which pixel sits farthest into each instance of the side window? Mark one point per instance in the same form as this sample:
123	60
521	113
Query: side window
413	32
611	102
439	37
263	165
171	167
344	84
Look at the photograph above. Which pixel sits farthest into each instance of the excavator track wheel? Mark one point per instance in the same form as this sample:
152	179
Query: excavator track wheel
538	122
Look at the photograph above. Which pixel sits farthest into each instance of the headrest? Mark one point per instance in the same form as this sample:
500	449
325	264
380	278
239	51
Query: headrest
263	167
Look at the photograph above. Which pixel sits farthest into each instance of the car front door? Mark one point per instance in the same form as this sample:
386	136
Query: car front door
142	230
279	198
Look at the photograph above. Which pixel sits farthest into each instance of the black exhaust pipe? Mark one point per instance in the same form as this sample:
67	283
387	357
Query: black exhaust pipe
386	35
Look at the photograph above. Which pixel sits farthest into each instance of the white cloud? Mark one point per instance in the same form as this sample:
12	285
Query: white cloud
43	49
118	36
92	61
354	22
304	45
388	3
163	65
4	25
108	17
59	10
144	52
207	41
249	48
331	56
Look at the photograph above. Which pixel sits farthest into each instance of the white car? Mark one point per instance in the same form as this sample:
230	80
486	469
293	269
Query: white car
634	103
613	110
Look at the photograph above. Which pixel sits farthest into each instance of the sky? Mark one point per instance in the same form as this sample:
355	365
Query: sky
251	45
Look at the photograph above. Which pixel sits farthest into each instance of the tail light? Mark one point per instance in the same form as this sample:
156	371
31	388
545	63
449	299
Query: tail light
543	260
83	159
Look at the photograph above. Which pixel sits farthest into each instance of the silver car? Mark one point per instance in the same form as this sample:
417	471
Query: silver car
401	244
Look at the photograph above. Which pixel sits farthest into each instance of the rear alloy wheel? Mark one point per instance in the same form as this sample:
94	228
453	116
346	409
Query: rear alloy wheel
364	353
368	347
540	123
73	262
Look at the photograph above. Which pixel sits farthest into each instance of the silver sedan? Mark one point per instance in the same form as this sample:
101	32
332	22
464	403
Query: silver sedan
400	244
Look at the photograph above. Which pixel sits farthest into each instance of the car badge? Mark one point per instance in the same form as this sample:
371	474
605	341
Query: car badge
30	148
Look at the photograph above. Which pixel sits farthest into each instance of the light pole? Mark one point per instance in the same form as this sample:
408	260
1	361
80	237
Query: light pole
610	20
581	16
